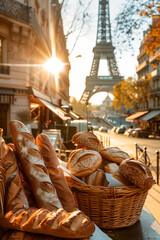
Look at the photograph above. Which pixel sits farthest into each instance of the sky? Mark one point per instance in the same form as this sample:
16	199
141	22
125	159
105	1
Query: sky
80	67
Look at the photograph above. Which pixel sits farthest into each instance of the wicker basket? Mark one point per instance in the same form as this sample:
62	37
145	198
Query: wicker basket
109	208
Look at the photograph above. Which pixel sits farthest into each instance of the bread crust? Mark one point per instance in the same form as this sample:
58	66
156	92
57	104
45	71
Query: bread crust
83	162
33	167
55	172
137	172
114	154
97	178
87	140
20	216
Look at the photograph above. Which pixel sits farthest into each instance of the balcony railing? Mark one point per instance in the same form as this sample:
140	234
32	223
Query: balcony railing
5	70
142	66
15	10
25	14
155	73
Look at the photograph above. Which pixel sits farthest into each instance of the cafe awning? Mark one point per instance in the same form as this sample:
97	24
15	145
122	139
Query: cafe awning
150	115
58	111
135	116
74	115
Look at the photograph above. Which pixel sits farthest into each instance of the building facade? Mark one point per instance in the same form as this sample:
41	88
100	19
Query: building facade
31	32
149	66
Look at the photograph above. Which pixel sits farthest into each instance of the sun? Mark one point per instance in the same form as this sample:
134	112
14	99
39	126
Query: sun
54	66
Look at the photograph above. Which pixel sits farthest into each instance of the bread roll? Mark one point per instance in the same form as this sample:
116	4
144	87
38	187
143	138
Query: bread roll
137	172
83	162
55	172
87	140
97	178
114	154
33	167
111	168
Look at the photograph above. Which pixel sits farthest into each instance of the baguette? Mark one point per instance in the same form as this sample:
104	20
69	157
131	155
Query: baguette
18	235
57	223
3	151
19	216
33	167
55	172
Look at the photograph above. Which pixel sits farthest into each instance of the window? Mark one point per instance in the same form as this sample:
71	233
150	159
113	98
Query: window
3	56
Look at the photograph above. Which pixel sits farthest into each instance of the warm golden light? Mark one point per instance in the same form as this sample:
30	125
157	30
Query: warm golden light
54	65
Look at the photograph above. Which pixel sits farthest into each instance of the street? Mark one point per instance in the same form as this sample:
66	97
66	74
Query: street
127	144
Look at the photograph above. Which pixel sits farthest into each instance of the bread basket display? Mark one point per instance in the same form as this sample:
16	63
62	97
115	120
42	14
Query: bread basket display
109	208
115	206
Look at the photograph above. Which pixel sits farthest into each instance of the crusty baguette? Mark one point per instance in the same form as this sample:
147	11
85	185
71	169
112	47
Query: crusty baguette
57	223
55	172
33	167
2	187
19	235
114	154
82	162
3	151
15	197
19	216
3	146
87	140
137	172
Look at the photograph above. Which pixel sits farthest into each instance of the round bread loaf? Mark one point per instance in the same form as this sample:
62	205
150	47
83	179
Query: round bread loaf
114	154
136	172
111	168
82	162
97	178
87	140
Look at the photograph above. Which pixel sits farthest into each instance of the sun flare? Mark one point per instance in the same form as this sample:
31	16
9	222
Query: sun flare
54	65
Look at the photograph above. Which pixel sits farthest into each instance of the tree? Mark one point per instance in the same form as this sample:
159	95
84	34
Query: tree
76	23
135	17
81	109
130	93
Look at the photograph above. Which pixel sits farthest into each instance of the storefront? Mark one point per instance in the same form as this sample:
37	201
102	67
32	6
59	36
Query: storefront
135	117
151	121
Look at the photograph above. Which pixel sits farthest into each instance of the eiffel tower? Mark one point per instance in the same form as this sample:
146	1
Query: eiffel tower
103	50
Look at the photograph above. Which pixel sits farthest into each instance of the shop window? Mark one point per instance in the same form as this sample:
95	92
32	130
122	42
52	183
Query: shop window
3	59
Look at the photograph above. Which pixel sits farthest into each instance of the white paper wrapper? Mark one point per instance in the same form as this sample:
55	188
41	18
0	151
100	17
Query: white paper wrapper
112	181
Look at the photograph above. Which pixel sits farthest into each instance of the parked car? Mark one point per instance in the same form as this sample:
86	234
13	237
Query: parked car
120	130
114	129
103	129
129	132
95	127
140	132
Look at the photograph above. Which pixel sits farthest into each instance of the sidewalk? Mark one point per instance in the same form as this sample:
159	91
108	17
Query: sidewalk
152	202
